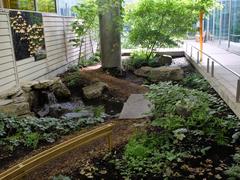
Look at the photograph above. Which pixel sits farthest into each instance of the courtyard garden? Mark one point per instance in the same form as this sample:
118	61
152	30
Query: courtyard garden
187	131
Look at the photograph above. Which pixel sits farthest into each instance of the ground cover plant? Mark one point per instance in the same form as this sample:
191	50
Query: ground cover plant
184	128
193	135
18	134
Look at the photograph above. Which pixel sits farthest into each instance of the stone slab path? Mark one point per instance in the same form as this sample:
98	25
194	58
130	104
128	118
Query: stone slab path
136	107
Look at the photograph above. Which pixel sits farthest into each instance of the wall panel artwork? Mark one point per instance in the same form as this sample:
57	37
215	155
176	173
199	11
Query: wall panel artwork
28	35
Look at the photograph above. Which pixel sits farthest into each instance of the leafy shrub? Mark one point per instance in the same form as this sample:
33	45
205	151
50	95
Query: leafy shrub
93	60
234	171
72	79
196	81
138	59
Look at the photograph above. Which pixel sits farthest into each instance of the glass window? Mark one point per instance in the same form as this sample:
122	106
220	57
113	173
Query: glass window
46	5
235	28
216	24
64	7
19	4
42	5
225	23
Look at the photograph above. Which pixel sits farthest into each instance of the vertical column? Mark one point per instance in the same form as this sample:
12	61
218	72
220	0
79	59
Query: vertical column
214	16
229	22
208	31
35	5
1	3
220	25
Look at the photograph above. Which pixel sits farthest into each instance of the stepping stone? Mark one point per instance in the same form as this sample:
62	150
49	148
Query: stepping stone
136	107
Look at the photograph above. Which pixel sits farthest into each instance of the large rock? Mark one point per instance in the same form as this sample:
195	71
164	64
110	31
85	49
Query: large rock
43	84
144	71
11	93
95	90
164	73
27	85
60	91
14	108
136	107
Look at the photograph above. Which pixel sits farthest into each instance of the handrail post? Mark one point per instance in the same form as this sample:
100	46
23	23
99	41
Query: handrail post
238	90
207	65
109	139
191	51
212	71
198	57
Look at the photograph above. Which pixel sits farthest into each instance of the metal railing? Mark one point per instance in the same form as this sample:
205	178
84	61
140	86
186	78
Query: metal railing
22	169
213	62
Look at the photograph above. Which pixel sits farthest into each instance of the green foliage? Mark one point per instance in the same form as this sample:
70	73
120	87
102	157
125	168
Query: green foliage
177	107
29	132
184	125
163	23
98	111
32	140
61	177
148	154
218	106
86	19
160	23
234	171
196	81
72	79
206	5
93	60
139	59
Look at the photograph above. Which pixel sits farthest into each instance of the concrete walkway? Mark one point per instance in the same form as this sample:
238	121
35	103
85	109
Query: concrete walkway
224	82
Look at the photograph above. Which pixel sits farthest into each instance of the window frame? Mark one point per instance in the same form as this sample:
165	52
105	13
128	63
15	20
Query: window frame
35	3
1	3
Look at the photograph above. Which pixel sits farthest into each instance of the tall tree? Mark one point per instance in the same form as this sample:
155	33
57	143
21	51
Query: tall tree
162	23
110	38
107	12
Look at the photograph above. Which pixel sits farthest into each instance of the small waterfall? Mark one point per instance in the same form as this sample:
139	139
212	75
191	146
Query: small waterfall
51	98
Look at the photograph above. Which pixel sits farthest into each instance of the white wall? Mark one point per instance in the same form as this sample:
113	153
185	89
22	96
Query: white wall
8	76
60	52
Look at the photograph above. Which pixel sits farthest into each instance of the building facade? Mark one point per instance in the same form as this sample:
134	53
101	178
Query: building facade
51	26
223	25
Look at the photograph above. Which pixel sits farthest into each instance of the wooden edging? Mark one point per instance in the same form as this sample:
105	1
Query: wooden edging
23	168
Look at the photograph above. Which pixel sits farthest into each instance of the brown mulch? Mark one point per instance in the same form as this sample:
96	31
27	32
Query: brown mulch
119	87
77	158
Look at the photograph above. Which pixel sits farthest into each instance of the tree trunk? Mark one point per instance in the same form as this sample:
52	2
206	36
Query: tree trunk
110	40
